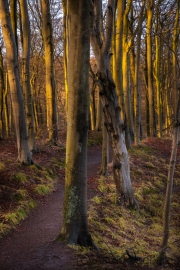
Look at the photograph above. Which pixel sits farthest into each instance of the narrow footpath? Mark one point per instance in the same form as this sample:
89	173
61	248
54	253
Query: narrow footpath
31	246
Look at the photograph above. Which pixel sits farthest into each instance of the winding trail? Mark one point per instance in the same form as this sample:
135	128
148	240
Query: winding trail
31	246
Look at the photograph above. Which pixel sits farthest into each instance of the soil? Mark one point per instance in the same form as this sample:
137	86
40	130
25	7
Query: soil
32	245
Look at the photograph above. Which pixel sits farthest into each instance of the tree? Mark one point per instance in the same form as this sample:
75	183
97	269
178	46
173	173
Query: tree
47	33
75	226
150	8
167	205
24	154
109	99
26	73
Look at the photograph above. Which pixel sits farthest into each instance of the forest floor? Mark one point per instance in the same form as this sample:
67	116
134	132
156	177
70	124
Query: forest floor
31	202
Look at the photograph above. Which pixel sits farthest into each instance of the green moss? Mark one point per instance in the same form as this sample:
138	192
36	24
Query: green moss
149	165
71	204
21	177
2	166
20	194
42	189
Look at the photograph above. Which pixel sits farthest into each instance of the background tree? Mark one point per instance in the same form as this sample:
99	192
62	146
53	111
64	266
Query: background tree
24	154
26	87
111	109
47	32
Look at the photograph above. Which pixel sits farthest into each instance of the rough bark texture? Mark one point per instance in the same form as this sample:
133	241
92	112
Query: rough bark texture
75	226
111	107
24	154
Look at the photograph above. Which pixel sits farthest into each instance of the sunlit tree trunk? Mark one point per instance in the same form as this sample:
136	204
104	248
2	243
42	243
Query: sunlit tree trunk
2	90
174	55
47	32
7	113
24	154
26	74
150	6
75	226
158	81
111	109
66	42
117	56
125	74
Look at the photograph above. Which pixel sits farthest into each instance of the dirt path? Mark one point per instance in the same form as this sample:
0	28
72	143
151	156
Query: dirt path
32	246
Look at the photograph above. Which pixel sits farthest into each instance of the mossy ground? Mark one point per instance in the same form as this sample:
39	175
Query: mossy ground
116	229
21	187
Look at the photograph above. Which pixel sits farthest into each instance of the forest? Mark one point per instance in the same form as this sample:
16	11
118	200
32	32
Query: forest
89	134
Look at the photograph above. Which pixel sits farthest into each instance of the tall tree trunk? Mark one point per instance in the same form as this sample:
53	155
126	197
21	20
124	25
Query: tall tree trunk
24	154
158	86
125	75
13	14
52	121
150	9
2	90
75	226
26	74
111	109
66	42
174	56
137	95
117	57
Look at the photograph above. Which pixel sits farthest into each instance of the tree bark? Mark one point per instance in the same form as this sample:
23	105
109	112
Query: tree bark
26	74
111	109
150	9
47	32
75	225
24	154
105	150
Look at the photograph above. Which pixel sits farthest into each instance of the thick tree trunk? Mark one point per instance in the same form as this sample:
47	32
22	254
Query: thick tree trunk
75	225
114	125
24	154
26	74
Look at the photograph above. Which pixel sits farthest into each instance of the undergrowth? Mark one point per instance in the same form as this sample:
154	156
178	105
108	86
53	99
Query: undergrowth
20	191
115	229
